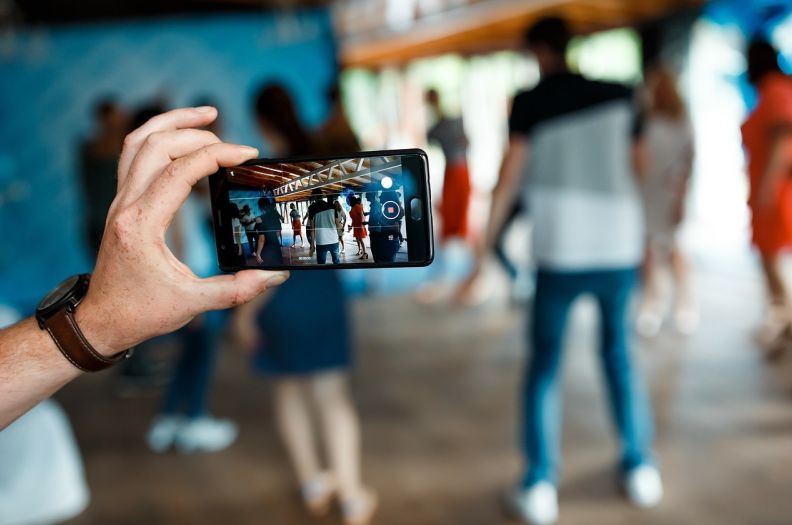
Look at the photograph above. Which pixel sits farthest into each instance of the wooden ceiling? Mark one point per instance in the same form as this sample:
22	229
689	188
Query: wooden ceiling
477	27
294	181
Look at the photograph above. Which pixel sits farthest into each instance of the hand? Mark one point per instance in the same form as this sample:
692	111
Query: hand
239	250
259	259
244	331
139	289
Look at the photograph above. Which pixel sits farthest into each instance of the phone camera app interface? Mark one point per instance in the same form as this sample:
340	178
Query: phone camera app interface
341	211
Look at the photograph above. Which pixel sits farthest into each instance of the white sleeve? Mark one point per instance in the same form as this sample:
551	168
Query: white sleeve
237	226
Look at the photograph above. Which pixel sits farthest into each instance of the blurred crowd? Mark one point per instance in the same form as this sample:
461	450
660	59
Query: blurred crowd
600	170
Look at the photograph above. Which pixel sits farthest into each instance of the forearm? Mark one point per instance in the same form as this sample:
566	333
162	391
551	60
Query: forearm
31	369
506	192
260	244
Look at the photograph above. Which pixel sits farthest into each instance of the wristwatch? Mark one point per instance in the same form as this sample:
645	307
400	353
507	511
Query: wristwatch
55	314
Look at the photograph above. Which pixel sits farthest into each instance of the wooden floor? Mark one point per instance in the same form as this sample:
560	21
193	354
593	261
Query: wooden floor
437	387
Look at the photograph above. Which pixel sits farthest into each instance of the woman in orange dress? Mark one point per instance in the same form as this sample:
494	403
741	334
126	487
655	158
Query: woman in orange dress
359	231
449	134
767	136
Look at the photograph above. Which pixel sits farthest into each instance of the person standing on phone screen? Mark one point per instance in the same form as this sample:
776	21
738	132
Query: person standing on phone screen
248	221
296	223
308	358
358	226
322	216
268	233
341	220
385	230
579	143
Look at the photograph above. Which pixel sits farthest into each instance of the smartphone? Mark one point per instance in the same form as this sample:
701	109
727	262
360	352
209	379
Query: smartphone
364	210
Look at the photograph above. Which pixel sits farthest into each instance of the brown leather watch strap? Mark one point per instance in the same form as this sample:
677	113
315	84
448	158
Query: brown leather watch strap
72	344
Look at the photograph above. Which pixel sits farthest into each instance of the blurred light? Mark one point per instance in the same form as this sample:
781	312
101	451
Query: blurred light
387	182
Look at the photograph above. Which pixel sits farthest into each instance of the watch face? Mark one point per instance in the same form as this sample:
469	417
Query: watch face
59	292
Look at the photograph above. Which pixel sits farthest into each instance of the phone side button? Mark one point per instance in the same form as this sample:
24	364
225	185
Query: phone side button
416	209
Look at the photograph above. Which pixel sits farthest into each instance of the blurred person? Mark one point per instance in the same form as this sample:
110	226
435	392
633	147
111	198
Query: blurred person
767	136
449	134
384	232
138	290
669	152
341	220
238	232
578	142
358	226
323	219
98	167
248	220
335	135
308	360
268	233
294	215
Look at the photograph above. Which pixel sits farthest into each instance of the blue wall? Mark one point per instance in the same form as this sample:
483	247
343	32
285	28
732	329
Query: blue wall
51	78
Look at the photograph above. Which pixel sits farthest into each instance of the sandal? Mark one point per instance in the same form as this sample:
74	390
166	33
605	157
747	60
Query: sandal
318	496
361	510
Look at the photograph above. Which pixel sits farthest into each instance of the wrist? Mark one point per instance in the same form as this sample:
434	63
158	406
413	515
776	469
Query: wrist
96	329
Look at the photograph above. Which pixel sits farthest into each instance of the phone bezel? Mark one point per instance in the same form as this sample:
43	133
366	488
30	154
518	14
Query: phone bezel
219	193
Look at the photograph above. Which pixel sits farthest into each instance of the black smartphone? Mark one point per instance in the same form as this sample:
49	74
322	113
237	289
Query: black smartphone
364	210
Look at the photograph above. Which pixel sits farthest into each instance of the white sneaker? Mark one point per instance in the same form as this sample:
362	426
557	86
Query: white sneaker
648	323
775	321
205	434
686	320
162	432
536	505
643	486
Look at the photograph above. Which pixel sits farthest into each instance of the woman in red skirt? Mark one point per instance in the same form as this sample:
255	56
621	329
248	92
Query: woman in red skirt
359	231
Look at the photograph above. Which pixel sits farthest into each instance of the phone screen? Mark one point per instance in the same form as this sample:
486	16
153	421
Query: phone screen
370	210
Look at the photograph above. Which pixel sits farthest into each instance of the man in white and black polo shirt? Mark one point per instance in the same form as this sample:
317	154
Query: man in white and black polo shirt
574	152
322	216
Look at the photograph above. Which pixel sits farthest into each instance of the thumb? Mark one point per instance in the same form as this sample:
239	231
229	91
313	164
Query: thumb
227	291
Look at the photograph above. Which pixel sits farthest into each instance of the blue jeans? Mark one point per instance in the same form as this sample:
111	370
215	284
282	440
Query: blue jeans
192	373
541	407
323	249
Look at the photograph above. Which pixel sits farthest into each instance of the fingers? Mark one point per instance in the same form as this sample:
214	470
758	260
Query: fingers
176	119
169	190
227	291
158	150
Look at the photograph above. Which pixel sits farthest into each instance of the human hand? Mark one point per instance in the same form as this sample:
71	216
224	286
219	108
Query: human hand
139	289
244	331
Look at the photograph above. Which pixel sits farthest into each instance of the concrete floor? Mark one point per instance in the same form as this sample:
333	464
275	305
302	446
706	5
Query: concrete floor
437	387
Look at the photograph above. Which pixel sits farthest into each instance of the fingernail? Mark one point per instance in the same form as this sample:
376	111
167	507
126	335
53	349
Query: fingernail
277	280
204	109
249	149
